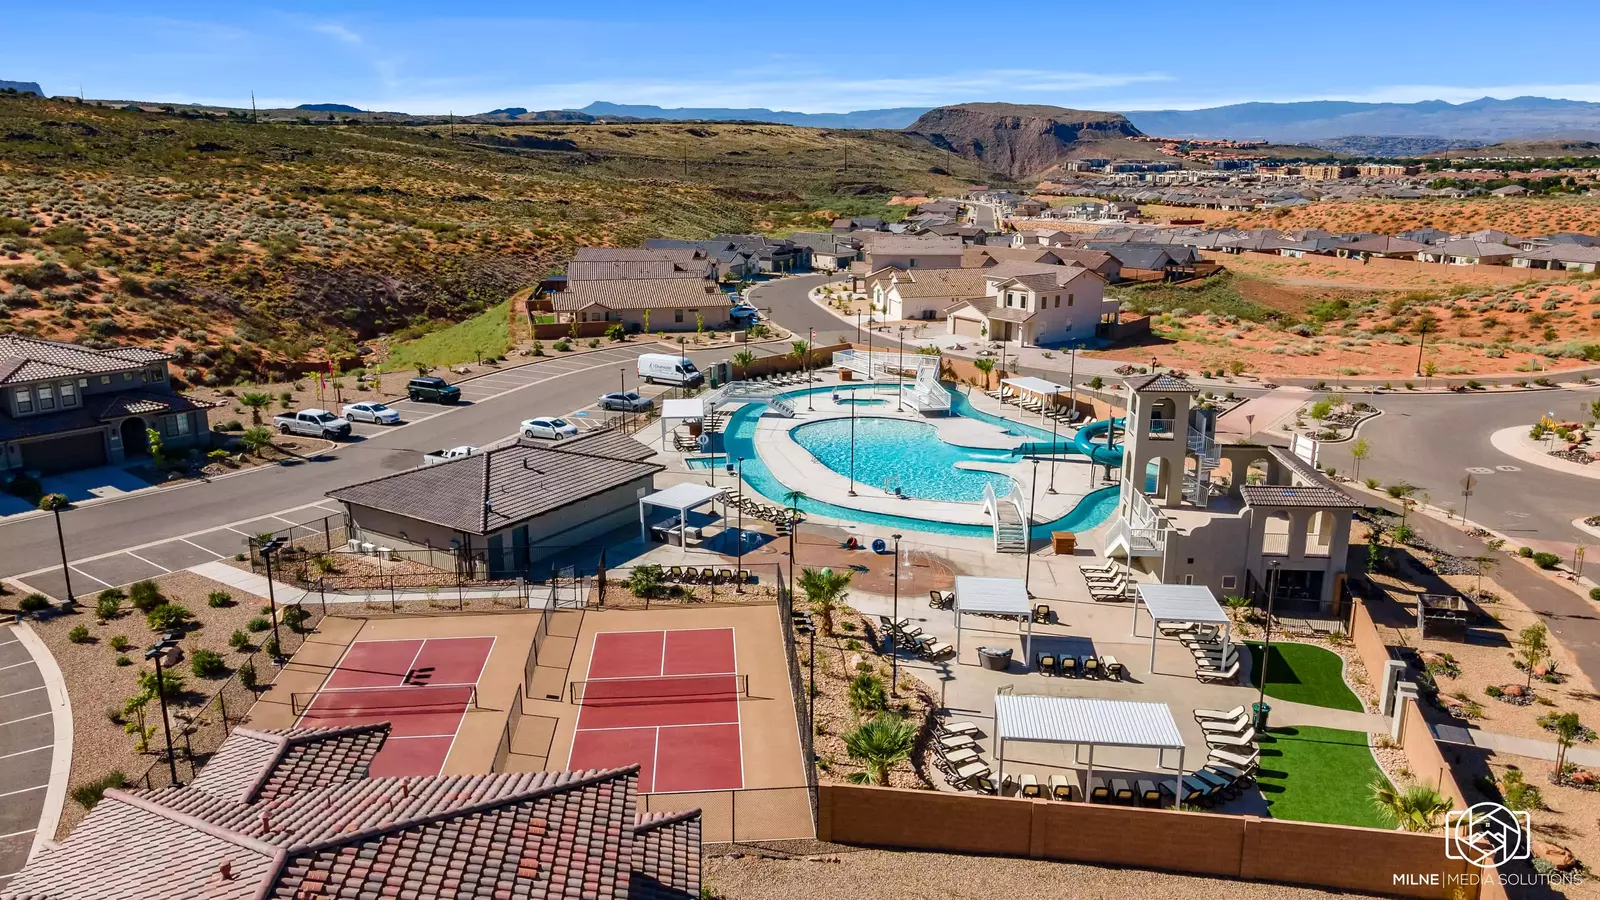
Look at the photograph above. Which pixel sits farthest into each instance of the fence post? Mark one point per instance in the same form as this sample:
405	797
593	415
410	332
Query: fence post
322	592
392	607
222	704
327	535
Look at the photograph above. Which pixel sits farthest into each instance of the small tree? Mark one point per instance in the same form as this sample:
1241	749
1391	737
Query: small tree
743	359
825	590
256	401
152	442
646	581
1416	808
1533	645
256	440
879	745
1567	728
797	349
146	595
1235	367
1359	451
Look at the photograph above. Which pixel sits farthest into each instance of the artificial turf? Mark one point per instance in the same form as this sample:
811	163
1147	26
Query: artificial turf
1302	673
1311	774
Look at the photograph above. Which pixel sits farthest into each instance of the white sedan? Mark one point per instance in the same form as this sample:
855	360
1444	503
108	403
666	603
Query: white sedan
370	411
551	429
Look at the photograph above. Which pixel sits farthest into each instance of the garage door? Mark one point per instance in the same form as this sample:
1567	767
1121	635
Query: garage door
65	454
968	327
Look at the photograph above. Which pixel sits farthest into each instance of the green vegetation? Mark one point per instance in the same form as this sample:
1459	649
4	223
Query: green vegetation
483	336
1218	295
90	792
1302	673
878	745
1311	774
1416	807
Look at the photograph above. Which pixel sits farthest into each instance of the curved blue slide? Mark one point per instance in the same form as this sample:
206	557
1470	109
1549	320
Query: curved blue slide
1104	454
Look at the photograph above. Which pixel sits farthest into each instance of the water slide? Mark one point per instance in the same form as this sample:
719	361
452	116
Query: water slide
1105	454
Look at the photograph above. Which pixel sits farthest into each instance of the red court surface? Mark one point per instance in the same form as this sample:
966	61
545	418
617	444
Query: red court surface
422	688
666	700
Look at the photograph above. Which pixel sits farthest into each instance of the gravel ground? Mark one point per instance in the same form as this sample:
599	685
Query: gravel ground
892	875
95	683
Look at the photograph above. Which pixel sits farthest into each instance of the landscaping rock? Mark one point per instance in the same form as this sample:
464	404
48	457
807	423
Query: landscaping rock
1515	690
1554	854
1582	776
1542	670
1430	658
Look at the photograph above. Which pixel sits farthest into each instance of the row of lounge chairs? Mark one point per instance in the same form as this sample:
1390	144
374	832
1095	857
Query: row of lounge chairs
1205	645
956	755
909	636
1232	760
1089	666
1108	583
777	515
784	379
947	599
708	575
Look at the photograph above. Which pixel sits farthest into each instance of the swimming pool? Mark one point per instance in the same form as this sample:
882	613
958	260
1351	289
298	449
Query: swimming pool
903	454
1091	511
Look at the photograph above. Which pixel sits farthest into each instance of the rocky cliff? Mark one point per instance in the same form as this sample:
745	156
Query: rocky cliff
1024	140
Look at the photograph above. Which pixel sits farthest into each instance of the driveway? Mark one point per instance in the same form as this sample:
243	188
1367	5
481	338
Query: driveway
27	738
88	484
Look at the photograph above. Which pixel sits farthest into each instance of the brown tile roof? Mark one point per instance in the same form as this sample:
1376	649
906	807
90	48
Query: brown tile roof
30	359
680	255
268	764
649	293
518	835
1296	495
1384	244
1164	381
635	270
505	485
888	242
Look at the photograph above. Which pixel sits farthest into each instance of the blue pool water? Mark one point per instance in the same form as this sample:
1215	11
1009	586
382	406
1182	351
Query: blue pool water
892	453
1090	512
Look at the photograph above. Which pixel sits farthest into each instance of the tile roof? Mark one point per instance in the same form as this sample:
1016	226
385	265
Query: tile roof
1574	253
98	409
1385	245
505	485
636	269
1296	495
647	293
1479	249
331	832
1164	381
28	359
895	244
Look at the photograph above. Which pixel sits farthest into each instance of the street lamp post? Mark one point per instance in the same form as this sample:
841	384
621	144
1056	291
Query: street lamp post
61	542
894	648
853	405
154	653
1054	450
1266	646
738	580
900	373
1027	530
810	407
268	550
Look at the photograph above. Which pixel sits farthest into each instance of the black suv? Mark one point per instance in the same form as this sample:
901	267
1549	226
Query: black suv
432	389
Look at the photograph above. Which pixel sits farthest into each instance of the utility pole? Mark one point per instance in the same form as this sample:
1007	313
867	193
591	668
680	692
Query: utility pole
252	107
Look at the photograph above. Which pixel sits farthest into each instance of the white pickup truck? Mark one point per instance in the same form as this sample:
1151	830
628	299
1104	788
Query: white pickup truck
313	423
450	455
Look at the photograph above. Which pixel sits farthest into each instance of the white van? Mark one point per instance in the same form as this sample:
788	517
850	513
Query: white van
661	368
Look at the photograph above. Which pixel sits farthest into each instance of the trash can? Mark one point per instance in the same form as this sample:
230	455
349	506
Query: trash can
1259	712
996	658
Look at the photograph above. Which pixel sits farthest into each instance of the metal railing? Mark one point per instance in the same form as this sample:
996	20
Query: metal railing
799	689
744	816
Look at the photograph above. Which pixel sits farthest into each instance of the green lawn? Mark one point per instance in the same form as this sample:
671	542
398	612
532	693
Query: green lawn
485	333
1319	775
1301	673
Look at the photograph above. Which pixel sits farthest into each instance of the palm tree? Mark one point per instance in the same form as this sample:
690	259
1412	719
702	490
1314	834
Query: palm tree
824	588
878	745
793	498
985	366
1236	605
1567	727
256	401
256	439
743	359
1415	808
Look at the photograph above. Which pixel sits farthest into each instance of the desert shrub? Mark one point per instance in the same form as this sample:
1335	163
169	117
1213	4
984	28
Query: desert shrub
33	603
167	616
646	581
259	623
247	674
1525	552
867	693
79	634
295	616
145	595
89	793
108	605
207	664
238	640
219	599
119	643
1546	560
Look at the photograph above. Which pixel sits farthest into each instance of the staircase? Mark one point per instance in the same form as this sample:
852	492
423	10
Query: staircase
1197	487
1010	528
743	392
924	392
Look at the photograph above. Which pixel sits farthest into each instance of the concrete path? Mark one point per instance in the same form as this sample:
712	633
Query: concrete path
1287	713
35	747
1515	746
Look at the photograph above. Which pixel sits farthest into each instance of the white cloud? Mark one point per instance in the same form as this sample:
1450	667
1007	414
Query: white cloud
339	33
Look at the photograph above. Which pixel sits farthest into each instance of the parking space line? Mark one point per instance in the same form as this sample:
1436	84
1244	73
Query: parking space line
26	662
4	643
143	560
37	787
237	531
25	719
198	547
21	692
91	577
21	752
12	835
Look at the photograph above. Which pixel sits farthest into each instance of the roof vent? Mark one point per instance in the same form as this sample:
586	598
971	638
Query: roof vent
225	869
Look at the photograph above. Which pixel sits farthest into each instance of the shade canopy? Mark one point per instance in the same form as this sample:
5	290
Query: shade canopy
692	408
1182	603
1034	385
687	495
992	596
1082	720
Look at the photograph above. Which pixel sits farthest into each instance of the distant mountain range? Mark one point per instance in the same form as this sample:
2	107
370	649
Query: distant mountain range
22	87
1484	120
867	118
329	107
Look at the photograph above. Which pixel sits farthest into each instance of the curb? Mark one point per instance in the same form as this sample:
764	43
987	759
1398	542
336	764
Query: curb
61	753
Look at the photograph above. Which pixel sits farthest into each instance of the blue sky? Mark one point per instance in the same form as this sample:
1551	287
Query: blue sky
471	57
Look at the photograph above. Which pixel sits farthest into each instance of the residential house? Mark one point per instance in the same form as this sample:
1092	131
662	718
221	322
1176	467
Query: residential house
1571	257
1469	253
505	512
1028	208
66	406
1489	236
829	252
900	251
1203	519
771	254
634	263
1426	236
1510	190
1097	261
859	223
668	304
1313	246
1058	305
731	260
296	814
1151	262
1040	237
970	235
1381	247
1559	238
1260	240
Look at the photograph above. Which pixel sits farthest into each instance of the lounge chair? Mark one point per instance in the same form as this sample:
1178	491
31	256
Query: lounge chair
1215	660
984	784
935	600
1230	726
746	577
934	650
1230	741
1175	629
1047	663
1239	776
1228	674
1103	577
1099	792
1109	566
1028	786
1113	668
956	742
1198	791
1149	794
1041	613
972	770
725	576
1091	666
958	728
1069	666
1225	785
1122	791
1060	787
673	574
955	759
1245	761
1219	714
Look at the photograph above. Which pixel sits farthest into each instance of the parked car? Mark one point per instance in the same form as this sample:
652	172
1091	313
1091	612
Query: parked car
627	401
550	428
451	455
313	423
667	369
432	389
370	411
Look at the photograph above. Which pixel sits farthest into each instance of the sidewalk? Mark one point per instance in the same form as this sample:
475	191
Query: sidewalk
1516	746
290	594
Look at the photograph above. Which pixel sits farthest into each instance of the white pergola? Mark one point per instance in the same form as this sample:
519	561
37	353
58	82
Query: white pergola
1081	720
995	597
1180	603
679	410
681	497
1031	385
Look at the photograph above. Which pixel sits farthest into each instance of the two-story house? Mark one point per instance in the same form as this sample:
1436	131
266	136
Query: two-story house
65	406
1055	305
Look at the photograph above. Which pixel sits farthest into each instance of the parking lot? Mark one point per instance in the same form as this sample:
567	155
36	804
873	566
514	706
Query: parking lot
26	730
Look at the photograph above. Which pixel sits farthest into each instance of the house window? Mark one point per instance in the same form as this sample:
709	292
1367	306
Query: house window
24	400
913	262
69	394
1069	299
1229	582
127	376
181	424
47	397
677	315
105	379
1058	301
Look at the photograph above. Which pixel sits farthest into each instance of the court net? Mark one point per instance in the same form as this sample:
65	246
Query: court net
658	689
398	700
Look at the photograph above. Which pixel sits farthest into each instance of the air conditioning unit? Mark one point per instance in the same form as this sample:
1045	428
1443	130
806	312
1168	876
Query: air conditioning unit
353	545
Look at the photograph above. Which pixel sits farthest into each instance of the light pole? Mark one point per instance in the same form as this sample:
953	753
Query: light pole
853	439
1266	647
900	373
1054	451
61	542
168	641
894	649
809	344
738	581
268	550
1027	530
805	626
622	379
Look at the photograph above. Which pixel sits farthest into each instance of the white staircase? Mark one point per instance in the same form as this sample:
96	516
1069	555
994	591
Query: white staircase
1139	529
1010	524
1197	487
923	392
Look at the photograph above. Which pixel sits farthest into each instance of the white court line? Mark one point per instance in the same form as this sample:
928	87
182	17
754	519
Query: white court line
198	547
24	719
90	577
143	560
413	737
395	687
642	727
34	750
23	691
738	710
655	759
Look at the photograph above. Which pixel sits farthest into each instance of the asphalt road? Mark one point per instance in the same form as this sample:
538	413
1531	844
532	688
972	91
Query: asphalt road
1431	440
26	740
550	387
793	309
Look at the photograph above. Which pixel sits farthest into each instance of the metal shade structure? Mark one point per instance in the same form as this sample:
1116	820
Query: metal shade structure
1180	603
679	410
995	597
1080	721
1028	384
681	497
